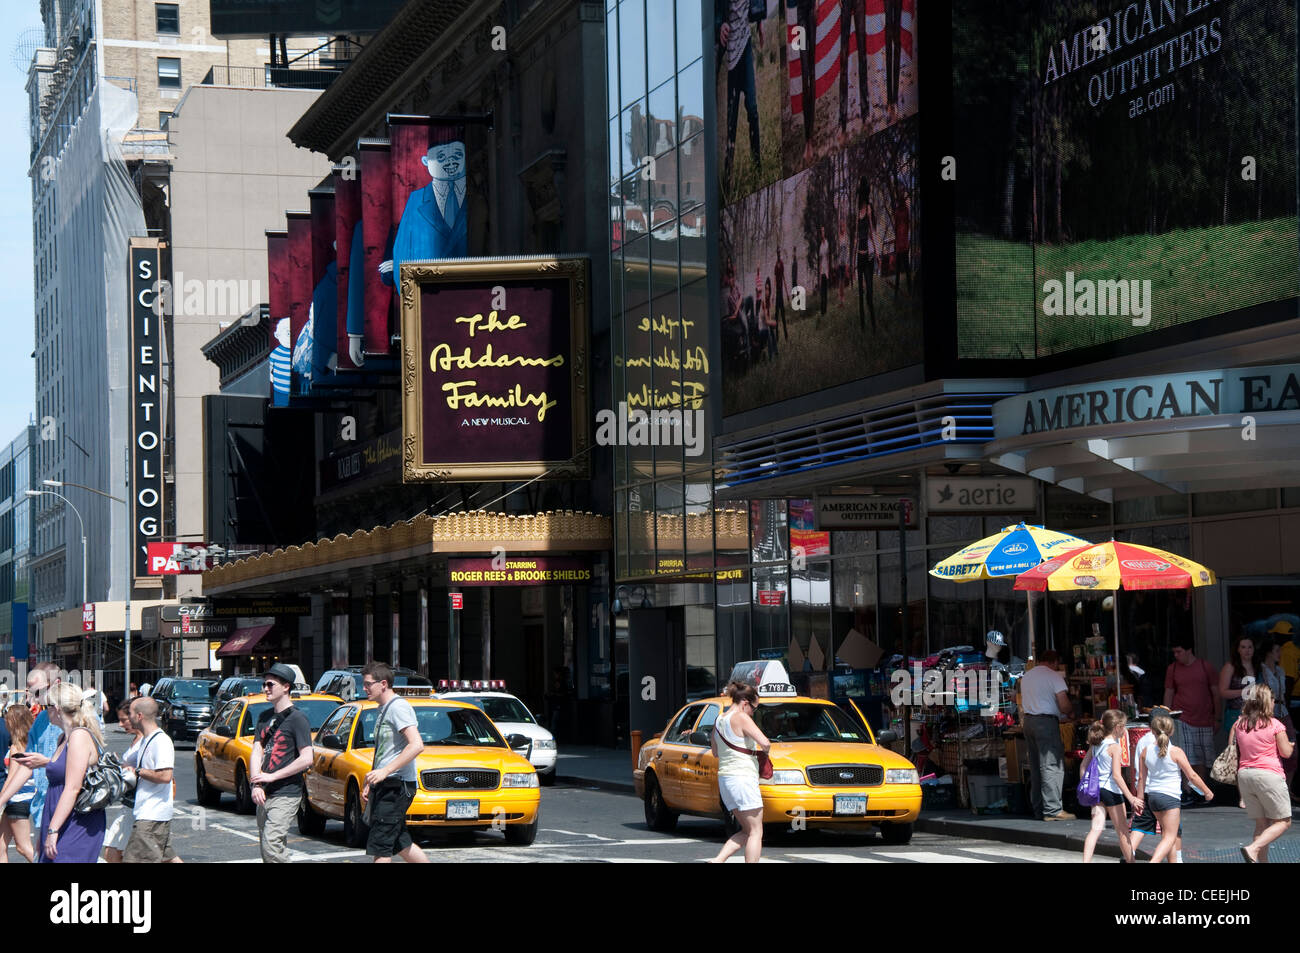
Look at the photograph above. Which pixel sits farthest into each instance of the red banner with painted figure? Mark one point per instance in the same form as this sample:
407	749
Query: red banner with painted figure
300	288
371	321
324	282
348	242
428	190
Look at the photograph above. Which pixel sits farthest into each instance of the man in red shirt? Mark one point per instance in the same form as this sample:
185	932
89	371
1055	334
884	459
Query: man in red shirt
1192	687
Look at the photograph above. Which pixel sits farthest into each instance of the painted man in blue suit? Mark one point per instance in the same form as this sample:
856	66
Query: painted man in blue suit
433	224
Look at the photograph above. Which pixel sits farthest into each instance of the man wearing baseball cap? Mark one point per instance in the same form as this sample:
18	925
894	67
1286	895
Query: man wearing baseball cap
281	755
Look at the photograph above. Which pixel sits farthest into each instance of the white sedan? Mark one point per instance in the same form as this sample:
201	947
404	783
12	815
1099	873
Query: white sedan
512	717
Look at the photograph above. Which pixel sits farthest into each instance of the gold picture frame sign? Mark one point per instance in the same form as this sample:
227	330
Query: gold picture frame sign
486	273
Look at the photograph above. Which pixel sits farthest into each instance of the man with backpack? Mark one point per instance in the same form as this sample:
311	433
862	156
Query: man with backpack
153	761
281	755
1192	687
390	784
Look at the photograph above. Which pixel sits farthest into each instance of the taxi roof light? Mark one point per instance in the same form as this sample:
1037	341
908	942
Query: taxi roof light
769	675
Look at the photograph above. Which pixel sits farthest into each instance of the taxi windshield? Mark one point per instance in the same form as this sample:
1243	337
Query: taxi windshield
316	710
801	721
502	709
438	726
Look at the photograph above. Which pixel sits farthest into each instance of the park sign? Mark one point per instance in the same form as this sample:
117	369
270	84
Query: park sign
494	369
144	385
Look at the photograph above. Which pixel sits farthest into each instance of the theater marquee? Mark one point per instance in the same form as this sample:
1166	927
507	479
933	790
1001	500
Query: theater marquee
518	571
494	369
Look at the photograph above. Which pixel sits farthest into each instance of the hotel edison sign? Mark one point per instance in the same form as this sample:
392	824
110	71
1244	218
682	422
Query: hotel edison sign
494	369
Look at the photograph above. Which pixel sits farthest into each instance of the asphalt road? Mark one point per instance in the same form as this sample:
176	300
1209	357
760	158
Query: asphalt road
579	824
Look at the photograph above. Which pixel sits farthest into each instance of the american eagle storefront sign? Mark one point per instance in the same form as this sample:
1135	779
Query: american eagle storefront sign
494	369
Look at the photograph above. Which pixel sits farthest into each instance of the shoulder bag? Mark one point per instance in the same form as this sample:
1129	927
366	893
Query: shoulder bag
102	785
764	762
128	787
374	762
1224	769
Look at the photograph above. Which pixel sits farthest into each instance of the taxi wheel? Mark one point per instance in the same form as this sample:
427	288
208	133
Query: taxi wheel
355	830
208	796
243	793
522	835
896	833
657	815
310	823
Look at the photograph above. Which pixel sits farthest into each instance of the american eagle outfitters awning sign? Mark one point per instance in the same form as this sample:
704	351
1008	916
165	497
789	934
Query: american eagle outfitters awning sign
494	369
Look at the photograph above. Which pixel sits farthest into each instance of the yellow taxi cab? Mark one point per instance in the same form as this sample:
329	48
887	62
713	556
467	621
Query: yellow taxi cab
468	776
828	769
222	750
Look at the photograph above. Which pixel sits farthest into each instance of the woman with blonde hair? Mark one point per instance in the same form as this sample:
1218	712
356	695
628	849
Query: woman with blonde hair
736	744
1161	767
1262	745
69	837
16	798
1103	740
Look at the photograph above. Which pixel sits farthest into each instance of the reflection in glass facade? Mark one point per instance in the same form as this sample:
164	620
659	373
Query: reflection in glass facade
751	577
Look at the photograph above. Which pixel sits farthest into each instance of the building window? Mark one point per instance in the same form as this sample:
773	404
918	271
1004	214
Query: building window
169	72
163	116
168	18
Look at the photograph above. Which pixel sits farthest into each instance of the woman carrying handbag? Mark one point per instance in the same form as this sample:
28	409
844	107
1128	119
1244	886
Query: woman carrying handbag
739	747
1262	745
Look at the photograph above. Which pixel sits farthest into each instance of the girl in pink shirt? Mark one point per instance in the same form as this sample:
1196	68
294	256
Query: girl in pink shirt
1261	745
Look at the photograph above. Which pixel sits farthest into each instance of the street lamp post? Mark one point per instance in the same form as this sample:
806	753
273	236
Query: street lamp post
126	625
82	524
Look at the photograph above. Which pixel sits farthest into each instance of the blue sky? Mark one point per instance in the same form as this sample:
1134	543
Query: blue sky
17	387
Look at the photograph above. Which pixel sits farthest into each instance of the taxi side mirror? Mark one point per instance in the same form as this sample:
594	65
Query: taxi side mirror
331	741
701	739
225	731
887	737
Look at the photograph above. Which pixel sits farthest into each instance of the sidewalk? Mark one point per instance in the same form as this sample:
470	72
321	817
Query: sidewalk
1211	835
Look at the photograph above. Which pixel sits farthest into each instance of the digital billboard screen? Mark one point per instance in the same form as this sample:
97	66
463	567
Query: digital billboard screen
232	19
818	134
1119	168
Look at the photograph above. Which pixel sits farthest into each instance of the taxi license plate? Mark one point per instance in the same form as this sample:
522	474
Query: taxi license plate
850	804
463	810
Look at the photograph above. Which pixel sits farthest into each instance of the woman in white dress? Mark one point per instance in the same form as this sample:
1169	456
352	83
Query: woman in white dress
736	743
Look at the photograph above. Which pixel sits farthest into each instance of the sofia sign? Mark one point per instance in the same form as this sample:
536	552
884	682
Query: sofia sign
494	369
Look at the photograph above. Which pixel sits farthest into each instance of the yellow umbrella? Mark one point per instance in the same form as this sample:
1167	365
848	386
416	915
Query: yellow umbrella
1008	553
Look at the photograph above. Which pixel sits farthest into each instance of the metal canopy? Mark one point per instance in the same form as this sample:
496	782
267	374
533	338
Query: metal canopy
1188	455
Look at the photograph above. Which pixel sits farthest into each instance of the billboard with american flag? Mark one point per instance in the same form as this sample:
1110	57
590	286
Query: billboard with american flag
817	105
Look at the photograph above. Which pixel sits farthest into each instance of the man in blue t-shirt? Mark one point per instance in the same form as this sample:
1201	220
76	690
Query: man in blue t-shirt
42	738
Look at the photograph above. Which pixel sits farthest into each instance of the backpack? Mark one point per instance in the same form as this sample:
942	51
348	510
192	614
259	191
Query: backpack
1088	792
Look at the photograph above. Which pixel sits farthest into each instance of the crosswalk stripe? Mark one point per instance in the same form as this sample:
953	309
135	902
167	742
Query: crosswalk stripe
1004	853
837	858
929	857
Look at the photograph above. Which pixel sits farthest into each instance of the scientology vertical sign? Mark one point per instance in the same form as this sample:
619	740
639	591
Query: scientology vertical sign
144	370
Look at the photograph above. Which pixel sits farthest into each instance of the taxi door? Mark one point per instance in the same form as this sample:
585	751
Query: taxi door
675	752
221	763
324	789
699	776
